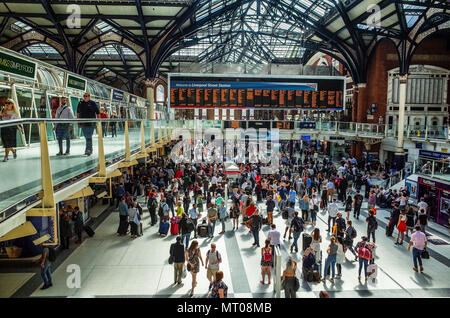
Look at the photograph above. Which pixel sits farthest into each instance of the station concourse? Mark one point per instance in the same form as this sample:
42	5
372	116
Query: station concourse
283	107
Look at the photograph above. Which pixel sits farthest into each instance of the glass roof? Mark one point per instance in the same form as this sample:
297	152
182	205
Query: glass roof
256	32
40	48
112	51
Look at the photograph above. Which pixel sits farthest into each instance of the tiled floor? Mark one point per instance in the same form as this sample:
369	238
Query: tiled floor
122	267
11	282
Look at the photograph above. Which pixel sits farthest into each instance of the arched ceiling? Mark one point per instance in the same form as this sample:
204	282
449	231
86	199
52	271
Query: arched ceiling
161	34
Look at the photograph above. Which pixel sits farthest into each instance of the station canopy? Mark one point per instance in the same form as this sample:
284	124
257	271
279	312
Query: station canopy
130	40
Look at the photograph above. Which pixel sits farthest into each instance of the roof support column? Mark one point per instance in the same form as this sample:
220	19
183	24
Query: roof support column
400	153
150	94
362	103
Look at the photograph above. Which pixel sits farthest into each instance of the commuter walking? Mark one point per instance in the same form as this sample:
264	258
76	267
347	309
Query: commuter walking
234	214
270	204
315	242
256	226
194	214
104	115
186	227
178	256
113	125
212	264
297	225
364	255
340	256
219	288
87	109
372	225
289	279
152	205
274	237
45	264
9	134
401	227
331	259
193	257
65	230
266	261
422	221
419	243
333	210
222	215
357	203
212	217
350	235
77	217
123	216
62	131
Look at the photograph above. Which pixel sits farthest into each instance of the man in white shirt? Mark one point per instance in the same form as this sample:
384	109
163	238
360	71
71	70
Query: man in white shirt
274	237
422	205
333	210
330	190
419	240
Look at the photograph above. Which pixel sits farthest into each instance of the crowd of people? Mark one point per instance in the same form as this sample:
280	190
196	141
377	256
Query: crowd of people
194	195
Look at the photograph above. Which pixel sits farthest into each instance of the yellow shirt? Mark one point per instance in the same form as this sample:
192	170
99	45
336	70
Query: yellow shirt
179	211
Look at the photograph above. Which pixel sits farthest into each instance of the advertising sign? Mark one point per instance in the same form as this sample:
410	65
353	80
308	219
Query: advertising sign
17	66
76	82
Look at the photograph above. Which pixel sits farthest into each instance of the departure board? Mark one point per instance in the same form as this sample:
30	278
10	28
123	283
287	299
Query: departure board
226	91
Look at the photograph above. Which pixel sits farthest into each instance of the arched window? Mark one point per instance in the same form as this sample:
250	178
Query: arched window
160	93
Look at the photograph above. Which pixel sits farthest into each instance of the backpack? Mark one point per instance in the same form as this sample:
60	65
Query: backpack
373	224
359	199
190	225
298	224
51	254
353	234
267	256
160	211
365	253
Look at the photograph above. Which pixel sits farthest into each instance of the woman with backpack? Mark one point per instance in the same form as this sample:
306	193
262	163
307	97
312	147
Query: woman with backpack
364	254
266	261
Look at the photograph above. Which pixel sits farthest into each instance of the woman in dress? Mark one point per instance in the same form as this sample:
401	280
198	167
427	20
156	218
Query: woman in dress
9	139
219	289
401	227
193	255
234	213
315	243
266	261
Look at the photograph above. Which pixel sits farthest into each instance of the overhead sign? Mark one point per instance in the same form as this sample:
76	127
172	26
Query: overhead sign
133	99
17	66
307	125
117	95
76	82
433	154
283	124
305	137
252	92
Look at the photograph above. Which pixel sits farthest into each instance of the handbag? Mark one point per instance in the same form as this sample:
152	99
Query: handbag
425	254
188	267
170	259
184	273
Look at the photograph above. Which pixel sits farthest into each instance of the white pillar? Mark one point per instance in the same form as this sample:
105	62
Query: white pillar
401	115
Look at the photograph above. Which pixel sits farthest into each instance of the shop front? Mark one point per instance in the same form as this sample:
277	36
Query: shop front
437	195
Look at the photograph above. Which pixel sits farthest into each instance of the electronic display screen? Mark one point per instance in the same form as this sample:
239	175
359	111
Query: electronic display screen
225	91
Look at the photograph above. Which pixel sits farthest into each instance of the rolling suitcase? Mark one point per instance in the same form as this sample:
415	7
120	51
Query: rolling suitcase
306	241
89	230
372	271
174	228
163	228
202	230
